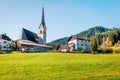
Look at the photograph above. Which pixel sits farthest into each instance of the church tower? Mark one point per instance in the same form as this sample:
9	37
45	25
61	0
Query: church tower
42	28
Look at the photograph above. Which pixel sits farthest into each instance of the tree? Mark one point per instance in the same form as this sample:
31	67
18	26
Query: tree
110	44
93	44
107	42
11	45
0	46
99	39
111	37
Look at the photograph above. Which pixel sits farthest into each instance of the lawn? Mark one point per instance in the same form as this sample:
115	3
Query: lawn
59	66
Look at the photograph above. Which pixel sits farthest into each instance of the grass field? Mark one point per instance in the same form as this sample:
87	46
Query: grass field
53	66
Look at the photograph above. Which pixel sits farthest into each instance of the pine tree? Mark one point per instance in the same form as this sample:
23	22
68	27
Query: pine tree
93	44
99	39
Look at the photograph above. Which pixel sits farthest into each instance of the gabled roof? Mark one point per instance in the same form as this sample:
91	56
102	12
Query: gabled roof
3	36
73	37
83	39
28	35
61	47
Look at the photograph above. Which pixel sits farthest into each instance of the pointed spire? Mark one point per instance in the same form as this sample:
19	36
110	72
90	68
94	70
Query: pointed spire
43	17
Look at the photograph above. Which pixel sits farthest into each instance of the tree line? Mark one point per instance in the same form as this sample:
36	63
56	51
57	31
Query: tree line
105	40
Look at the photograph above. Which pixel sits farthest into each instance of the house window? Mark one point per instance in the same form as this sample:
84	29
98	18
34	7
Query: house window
81	44
81	41
41	32
4	46
4	41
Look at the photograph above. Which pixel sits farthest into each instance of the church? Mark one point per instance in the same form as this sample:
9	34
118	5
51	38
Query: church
31	42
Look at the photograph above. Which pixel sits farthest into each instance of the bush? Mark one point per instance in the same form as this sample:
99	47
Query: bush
105	50
117	50
99	50
83	50
5	51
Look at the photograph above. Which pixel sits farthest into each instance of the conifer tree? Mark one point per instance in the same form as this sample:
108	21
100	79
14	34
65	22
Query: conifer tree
93	44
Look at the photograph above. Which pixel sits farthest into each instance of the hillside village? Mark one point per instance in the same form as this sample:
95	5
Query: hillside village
92	53
95	40
28	40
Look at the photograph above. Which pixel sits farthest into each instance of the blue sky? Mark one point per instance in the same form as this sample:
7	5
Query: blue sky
63	17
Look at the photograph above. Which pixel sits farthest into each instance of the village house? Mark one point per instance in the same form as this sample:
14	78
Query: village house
4	42
62	48
78	44
75	44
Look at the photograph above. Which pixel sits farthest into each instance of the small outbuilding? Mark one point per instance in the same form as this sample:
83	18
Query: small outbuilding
62	48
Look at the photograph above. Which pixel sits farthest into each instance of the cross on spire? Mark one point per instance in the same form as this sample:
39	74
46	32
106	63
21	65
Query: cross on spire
42	3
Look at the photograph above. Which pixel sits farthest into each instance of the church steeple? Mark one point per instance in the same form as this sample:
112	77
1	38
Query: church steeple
43	18
42	27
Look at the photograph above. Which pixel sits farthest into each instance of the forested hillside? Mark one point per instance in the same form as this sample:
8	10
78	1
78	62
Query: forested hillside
92	31
88	33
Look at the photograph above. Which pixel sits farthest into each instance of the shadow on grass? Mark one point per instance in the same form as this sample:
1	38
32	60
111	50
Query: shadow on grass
6	52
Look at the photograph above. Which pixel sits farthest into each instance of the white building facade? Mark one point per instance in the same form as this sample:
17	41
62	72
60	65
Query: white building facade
4	42
78	44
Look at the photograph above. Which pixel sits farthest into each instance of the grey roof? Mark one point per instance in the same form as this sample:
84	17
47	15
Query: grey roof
28	35
3	36
83	39
78	38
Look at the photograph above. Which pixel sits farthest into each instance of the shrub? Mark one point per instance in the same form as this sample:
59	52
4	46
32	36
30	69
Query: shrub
99	50
83	50
105	50
117	50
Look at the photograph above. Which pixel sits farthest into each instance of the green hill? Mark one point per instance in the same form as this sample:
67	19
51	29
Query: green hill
88	33
91	32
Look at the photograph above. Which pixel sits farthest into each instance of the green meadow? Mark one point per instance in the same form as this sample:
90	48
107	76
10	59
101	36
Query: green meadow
59	66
